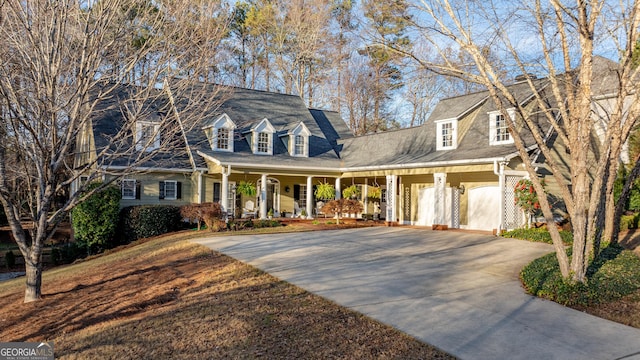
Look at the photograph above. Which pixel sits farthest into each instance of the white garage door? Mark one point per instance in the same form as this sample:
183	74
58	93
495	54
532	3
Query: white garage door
484	208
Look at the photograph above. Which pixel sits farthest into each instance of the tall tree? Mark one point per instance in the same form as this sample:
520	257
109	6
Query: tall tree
389	21
575	97
63	65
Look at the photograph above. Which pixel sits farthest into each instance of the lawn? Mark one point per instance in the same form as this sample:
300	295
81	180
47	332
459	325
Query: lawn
169	298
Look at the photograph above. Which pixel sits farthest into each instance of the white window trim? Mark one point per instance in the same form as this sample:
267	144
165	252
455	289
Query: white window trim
214	142
305	146
122	189
269	143
493	132
454	134
156	131
175	195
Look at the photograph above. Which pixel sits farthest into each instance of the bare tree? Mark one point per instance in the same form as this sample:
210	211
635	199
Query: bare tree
64	67
578	100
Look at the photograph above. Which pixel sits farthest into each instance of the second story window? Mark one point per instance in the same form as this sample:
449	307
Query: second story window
263	142
298	148
147	136
502	129
499	128
222	140
446	138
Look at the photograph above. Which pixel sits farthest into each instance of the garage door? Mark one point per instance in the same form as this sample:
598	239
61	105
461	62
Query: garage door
484	208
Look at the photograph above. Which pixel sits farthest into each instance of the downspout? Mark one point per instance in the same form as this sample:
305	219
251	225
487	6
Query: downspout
501	181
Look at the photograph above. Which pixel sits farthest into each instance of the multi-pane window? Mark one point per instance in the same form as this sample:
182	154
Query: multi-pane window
302	202
502	129
263	142
222	141
170	189
298	148
128	189
447	134
147	136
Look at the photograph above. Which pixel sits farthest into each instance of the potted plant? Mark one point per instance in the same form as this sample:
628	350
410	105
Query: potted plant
352	192
303	213
325	191
270	213
374	193
246	188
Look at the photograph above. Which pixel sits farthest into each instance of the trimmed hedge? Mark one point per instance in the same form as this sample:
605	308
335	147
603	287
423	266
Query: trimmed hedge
614	274
137	222
538	235
95	220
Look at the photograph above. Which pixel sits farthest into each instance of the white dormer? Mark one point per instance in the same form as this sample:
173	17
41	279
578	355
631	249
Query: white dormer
220	133
446	134
262	138
298	141
499	127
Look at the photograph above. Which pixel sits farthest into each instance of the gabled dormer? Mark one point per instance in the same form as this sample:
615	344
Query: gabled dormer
297	140
260	137
220	133
446	134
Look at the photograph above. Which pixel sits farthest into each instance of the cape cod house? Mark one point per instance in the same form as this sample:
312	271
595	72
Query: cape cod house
458	169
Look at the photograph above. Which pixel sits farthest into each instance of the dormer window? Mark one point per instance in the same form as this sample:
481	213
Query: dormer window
147	136
499	128
261	138
220	133
299	145
298	141
222	139
264	139
447	134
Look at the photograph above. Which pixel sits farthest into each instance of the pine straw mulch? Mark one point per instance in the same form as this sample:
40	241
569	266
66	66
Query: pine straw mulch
168	298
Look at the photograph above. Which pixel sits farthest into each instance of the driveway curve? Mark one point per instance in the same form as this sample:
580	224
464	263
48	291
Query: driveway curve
458	291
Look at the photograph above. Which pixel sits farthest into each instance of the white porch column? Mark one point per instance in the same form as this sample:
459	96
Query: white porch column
365	195
309	196
338	191
439	185
263	197
392	183
201	196
224	192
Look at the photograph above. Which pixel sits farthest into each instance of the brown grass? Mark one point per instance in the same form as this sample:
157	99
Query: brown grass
168	298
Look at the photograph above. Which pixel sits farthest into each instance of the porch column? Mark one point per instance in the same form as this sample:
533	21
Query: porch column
224	192
439	184
392	183
338	191
365	195
201	196
309	196
263	197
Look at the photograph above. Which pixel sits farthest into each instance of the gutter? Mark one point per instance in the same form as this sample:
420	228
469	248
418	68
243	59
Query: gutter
187	171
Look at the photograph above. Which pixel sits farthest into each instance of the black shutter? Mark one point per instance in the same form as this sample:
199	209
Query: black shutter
179	190
138	190
161	186
216	192
296	192
119	183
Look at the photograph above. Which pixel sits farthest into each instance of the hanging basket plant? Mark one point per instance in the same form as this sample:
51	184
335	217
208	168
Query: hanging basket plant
352	192
246	188
325	191
374	193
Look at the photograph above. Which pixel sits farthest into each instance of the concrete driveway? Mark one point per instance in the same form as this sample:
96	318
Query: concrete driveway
458	291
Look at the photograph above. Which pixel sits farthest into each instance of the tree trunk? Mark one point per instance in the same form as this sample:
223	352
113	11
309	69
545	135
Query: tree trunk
33	268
